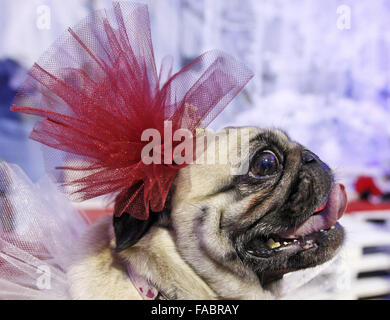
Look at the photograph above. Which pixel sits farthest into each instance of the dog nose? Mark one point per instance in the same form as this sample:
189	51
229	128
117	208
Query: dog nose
308	156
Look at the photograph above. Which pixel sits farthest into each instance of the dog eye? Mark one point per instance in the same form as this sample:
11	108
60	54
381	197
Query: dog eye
264	164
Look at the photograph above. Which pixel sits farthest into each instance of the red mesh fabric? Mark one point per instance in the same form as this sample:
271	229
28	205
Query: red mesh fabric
97	89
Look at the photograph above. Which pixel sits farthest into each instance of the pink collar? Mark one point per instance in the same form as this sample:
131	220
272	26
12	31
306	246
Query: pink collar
145	289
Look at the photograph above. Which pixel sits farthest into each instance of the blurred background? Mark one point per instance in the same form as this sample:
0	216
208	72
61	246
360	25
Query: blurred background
322	73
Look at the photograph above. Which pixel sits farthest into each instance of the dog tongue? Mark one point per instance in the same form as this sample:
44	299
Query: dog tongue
333	210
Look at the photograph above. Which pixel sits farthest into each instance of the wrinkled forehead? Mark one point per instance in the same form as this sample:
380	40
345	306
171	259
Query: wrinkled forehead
225	158
252	138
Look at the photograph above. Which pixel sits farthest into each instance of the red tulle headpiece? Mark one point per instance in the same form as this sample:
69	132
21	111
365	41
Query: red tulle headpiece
97	89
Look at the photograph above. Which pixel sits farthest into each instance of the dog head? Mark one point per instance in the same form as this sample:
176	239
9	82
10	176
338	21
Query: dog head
275	215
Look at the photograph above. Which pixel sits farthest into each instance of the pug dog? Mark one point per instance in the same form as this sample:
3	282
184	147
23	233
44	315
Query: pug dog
220	235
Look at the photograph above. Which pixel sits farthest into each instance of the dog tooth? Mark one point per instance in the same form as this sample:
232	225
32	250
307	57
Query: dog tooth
272	244
276	245
285	243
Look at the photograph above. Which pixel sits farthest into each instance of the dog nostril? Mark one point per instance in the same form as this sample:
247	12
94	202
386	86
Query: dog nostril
308	156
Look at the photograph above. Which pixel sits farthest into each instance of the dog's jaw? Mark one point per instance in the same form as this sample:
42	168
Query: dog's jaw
212	256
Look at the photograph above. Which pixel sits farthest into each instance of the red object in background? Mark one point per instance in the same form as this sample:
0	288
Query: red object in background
95	214
366	184
355	206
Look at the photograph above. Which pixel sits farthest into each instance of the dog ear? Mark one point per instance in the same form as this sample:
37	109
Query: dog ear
129	230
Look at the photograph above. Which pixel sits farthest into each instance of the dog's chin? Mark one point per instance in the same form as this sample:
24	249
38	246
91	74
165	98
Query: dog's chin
308	244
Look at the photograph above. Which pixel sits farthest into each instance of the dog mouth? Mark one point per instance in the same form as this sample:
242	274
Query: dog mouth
313	233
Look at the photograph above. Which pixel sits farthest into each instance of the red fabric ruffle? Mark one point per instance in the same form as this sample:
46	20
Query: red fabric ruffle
97	89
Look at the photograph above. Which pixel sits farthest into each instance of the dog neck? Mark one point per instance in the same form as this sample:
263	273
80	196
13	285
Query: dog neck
99	272
155	259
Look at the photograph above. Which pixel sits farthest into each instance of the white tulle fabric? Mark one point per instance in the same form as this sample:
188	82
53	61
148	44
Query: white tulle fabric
38	227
